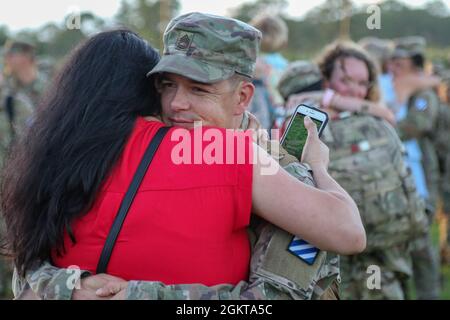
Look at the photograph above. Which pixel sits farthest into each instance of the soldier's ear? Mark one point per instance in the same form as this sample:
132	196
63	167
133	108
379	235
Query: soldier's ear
244	93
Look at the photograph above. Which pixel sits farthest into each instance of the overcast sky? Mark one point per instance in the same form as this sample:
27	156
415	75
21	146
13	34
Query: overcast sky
19	14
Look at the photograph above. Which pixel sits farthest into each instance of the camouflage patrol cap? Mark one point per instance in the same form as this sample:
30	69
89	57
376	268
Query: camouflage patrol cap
209	48
297	76
409	46
380	49
19	46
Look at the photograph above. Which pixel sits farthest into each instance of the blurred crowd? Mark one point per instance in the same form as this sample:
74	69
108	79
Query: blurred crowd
391	79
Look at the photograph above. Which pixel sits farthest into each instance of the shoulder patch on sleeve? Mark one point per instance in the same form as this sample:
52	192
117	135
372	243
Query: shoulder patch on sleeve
421	104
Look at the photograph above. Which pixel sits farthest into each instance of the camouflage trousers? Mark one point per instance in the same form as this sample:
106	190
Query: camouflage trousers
445	196
445	200
444	184
376	275
425	269
443	218
6	271
425	260
447	213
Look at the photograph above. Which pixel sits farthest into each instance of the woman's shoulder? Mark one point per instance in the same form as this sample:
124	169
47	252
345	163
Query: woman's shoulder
148	122
144	129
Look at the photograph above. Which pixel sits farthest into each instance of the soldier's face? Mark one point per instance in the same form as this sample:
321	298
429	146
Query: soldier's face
350	77
18	61
185	101
402	66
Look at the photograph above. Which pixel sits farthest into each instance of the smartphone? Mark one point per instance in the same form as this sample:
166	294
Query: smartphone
294	137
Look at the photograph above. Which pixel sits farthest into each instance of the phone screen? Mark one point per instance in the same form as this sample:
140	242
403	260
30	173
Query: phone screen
295	137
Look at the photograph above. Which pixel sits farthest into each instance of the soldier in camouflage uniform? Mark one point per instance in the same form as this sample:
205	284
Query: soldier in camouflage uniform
22	77
419	122
19	92
443	150
275	273
391	211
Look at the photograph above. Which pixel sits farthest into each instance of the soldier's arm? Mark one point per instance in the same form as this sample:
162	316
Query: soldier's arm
407	85
421	117
145	290
47	282
341	103
378	109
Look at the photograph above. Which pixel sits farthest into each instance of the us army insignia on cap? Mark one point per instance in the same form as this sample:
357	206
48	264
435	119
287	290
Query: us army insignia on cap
303	250
421	104
184	40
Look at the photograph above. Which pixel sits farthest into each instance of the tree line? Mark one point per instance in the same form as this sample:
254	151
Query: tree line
307	35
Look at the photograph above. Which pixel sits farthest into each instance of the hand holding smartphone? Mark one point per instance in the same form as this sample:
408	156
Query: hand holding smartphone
294	140
295	136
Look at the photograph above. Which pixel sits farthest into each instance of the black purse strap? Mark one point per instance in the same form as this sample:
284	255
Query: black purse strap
128	199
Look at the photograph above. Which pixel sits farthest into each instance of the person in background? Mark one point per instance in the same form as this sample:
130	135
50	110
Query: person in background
361	145
21	86
443	152
267	103
416	125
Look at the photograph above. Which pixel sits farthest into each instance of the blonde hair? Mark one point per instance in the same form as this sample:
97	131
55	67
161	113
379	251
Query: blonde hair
274	31
346	49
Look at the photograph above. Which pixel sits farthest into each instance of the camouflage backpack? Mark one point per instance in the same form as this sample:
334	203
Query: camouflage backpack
366	158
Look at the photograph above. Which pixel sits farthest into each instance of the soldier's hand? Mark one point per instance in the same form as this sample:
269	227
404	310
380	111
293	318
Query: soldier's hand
116	290
260	135
315	153
27	294
89	286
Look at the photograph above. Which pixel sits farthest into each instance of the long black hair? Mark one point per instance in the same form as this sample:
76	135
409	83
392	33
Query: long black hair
55	171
